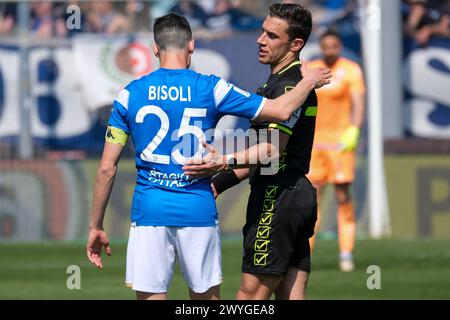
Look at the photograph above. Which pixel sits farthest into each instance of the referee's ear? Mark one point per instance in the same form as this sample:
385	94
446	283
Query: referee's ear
296	45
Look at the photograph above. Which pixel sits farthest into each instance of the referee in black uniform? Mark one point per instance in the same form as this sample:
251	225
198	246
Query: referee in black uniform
282	207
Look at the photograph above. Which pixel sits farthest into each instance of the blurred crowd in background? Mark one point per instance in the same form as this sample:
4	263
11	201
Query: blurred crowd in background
213	18
423	19
208	18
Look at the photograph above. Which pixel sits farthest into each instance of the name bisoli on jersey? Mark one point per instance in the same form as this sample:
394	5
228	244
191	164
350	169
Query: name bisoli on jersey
169	93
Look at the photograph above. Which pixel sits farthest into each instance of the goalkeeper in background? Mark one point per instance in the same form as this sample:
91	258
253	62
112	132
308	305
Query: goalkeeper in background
338	123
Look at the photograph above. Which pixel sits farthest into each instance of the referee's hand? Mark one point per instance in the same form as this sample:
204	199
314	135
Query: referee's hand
318	76
206	166
97	239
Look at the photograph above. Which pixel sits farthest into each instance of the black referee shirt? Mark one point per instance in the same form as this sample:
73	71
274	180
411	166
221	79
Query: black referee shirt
300	127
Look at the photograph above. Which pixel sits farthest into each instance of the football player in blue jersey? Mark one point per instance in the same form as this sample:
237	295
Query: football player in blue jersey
167	113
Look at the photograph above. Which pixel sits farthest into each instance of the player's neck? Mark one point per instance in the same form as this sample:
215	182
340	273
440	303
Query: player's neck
282	64
173	60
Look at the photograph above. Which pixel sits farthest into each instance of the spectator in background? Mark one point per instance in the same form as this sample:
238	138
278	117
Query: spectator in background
194	13
7	17
160	8
225	19
335	10
45	22
207	5
337	14
427	18
103	18
137	13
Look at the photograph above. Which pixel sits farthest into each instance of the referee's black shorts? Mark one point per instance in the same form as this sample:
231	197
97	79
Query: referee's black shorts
280	220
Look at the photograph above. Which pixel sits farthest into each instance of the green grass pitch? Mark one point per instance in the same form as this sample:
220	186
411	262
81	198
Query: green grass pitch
410	269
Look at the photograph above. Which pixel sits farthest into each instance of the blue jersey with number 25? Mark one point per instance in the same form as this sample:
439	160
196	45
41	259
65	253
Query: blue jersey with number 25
166	113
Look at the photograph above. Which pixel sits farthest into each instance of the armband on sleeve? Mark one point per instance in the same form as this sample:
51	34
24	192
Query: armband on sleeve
116	136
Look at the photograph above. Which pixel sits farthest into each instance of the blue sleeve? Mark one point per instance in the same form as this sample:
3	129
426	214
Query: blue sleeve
232	100
119	112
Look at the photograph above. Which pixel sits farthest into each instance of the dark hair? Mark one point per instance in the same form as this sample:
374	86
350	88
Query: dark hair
331	33
172	31
298	18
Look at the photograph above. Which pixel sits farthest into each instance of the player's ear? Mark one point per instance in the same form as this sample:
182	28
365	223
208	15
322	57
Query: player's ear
155	49
297	44
191	46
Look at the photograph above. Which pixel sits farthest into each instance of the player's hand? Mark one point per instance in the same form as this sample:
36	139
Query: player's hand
206	166
214	191
349	140
97	239
319	77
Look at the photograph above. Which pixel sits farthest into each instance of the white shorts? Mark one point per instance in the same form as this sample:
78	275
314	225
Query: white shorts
152	251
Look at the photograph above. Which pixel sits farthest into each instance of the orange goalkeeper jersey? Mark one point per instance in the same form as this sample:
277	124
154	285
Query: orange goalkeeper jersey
335	103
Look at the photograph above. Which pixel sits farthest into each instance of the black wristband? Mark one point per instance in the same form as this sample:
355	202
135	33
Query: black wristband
225	180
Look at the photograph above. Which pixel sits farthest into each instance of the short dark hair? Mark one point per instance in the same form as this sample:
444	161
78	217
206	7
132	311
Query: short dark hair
331	33
298	18
172	31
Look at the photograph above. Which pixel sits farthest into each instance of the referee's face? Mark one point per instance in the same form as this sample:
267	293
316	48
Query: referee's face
274	44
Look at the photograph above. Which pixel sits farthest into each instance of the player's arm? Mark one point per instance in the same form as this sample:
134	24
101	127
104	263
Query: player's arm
261	153
276	110
225	180
349	139
414	17
233	101
441	28
281	108
358	108
104	181
267	151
